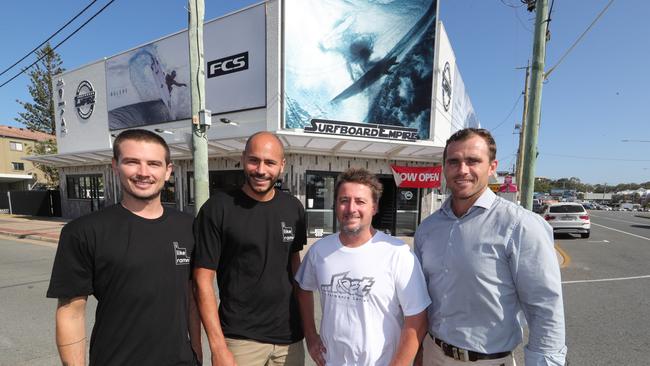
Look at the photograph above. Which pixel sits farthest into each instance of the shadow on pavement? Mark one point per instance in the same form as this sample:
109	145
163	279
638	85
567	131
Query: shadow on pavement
641	226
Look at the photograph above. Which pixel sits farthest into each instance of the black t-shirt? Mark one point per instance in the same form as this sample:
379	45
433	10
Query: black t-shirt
139	271
250	243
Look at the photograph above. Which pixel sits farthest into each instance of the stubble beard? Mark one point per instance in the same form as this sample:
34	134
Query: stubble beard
249	179
131	193
354	231
147	198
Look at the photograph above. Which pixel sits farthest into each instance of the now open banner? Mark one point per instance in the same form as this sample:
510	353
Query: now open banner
417	176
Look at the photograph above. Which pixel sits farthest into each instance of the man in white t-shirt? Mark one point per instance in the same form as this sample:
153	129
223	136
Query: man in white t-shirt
373	293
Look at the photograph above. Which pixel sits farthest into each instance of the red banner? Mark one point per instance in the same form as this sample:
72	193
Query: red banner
417	176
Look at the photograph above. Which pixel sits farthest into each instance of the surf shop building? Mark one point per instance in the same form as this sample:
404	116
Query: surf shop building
343	84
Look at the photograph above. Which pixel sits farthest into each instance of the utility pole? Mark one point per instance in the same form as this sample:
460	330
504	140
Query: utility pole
534	109
201	119
520	150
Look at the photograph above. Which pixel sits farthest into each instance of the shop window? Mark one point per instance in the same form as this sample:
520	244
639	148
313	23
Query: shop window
408	207
223	180
319	207
190	188
15	146
17	166
168	193
85	186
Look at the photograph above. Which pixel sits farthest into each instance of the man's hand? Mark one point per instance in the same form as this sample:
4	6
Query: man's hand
316	349
413	330
419	357
223	357
209	312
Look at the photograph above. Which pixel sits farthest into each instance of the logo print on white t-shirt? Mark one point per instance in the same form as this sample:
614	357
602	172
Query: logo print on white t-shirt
346	287
181	255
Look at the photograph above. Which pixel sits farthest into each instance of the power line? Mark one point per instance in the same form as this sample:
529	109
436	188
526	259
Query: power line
58	44
521	22
594	158
509	114
511	5
578	40
50	37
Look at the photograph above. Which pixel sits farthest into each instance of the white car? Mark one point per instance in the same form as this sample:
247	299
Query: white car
568	217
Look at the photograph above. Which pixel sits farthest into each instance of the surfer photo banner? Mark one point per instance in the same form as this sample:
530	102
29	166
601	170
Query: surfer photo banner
149	84
359	61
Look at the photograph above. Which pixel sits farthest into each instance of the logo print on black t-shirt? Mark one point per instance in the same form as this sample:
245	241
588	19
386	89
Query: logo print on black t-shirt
181	255
287	233
344	287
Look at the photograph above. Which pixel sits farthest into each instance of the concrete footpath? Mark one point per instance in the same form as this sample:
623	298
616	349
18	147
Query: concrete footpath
49	229
29	227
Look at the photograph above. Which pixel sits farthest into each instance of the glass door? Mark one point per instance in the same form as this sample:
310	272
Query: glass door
319	207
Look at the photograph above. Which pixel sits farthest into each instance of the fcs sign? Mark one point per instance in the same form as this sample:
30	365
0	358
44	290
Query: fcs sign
228	65
417	176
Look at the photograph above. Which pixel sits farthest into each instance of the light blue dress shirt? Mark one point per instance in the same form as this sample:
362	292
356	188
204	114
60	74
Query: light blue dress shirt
483	270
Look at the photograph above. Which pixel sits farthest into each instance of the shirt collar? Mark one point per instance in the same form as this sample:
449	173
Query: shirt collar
485	201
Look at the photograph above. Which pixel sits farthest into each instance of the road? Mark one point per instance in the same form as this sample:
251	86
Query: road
26	316
606	290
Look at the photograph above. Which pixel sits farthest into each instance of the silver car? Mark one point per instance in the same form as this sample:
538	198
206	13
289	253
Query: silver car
568	217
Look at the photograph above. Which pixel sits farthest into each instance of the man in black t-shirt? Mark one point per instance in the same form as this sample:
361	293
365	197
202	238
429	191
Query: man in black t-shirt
134	257
251	239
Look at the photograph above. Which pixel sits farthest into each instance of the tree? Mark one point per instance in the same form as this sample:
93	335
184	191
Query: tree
39	114
542	185
51	173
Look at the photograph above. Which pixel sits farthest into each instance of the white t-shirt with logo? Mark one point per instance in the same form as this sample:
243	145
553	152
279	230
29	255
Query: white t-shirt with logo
365	293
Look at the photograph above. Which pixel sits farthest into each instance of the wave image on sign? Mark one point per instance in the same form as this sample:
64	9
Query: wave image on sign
359	61
149	85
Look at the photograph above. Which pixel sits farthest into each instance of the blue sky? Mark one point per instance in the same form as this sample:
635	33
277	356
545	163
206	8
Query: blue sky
597	97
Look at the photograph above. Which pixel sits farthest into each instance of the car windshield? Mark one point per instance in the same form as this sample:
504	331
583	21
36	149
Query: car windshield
566	209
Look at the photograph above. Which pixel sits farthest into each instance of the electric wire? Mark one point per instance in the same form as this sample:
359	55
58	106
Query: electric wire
49	38
511	5
594	158
509	114
58	44
546	75
521	22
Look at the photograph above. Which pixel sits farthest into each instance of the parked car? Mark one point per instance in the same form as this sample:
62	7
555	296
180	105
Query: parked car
568	217
588	205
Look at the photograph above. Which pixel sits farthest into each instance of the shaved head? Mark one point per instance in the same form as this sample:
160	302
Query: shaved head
263	163
264	137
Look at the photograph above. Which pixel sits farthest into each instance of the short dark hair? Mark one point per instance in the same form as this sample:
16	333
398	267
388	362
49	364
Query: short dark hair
361	176
466	133
139	135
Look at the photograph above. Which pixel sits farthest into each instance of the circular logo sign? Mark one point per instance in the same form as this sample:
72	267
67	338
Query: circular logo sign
407	195
446	86
84	100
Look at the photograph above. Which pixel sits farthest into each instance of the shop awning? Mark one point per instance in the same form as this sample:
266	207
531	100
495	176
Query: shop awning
421	151
295	143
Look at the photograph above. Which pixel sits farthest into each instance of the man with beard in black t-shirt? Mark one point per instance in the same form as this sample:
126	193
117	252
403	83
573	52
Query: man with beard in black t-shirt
251	239
134	257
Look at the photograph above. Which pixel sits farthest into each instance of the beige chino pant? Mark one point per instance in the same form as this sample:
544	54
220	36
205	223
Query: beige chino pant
252	353
433	356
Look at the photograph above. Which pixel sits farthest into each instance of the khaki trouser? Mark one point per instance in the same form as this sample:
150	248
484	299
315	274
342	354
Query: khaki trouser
252	353
433	356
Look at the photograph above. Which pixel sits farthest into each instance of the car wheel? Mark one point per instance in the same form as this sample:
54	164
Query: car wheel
585	235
